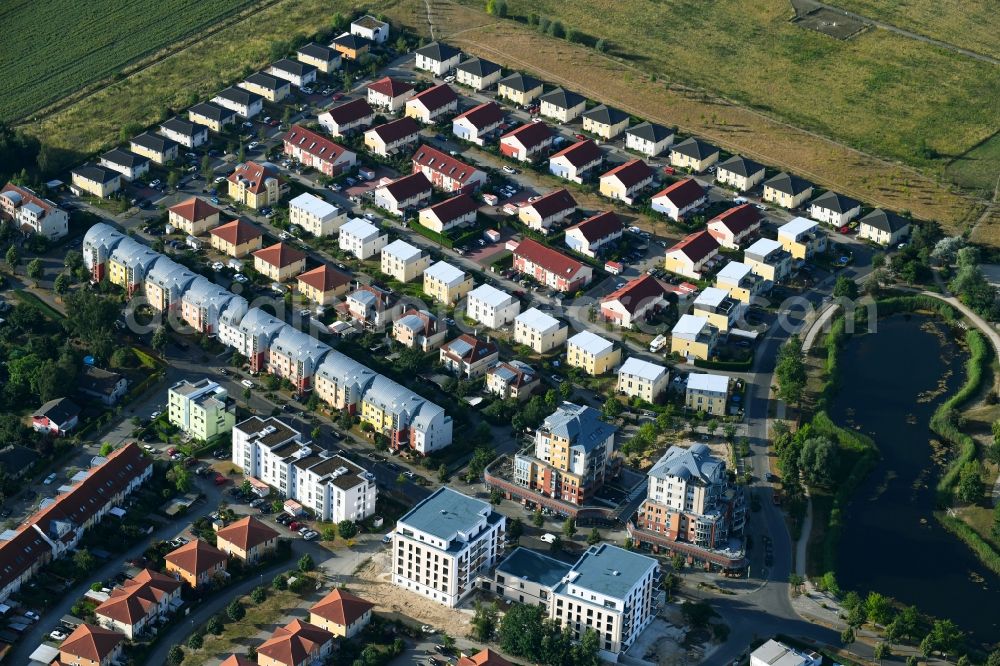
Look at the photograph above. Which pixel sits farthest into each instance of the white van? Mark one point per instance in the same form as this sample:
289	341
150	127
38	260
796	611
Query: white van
548	538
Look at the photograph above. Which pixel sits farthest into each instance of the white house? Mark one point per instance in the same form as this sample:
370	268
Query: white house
883	227
362	238
184	132
26	208
242	102
299	74
596	232
315	215
437	58
478	124
526	142
491	307
370	28
429	105
477	73
450	213
347	117
561	105
834	209
577	161
642	379
733	227
389	94
739	173
649	139
403	194
547	210
680	199
128	164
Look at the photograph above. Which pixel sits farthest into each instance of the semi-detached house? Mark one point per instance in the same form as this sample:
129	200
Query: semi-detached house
626	181
551	267
577	161
732	228
428	106
596	232
477	73
347	117
403	194
242	102
317	151
648	138
450	213
27	210
547	210
390	138
634	301
389	94
678	200
526	142
479	124
445	172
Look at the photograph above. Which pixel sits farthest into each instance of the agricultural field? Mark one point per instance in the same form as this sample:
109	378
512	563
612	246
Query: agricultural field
969	25
62	45
879	92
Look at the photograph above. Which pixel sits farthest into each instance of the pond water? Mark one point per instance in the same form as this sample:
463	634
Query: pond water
891	382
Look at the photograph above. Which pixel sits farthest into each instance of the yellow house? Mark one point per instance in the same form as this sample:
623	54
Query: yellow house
539	331
96	180
802	238
719	308
694	155
269	87
236	238
402	261
247	539
212	116
255	185
323	58
739	281
519	88
194	216
341	613
592	353
605	121
446	283
707	393
323	284
158	148
693	337
279	262
787	191
768	259
625	181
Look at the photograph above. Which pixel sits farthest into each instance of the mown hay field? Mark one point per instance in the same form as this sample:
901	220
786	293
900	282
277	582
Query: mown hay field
53	47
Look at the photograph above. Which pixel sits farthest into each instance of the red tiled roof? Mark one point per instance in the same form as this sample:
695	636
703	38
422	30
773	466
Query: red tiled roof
738	219
137	598
636	292
455	207
630	173
237	232
256	174
390	87
580	153
553	202
406	187
20	553
473	350
27	196
89	641
194	209
599	226
443	163
435	97
294	643
397	129
314	144
196	557
696	246
238	660
530	135
551	260
247	533
342	607
324	278
485	657
682	193
349	112
279	255
484	115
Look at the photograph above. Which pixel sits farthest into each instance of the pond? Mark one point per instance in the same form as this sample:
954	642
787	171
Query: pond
891	382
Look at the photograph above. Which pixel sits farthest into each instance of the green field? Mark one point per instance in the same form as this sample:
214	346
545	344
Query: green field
54	47
969	25
880	92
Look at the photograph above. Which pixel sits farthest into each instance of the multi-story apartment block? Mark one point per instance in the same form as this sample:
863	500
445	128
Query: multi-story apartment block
642	379
442	545
720	309
403	261
802	238
592	353
362	238
315	215
202	409
539	331
707	393
740	281
273	452
295	356
446	283
491	307
408	420
693	338
573	455
768	259
25	208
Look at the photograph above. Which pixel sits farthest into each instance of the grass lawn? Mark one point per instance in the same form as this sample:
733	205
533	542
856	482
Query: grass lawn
980	519
94	42
969	25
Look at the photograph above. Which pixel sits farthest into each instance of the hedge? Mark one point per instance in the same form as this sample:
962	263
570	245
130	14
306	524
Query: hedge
440	239
982	548
738	366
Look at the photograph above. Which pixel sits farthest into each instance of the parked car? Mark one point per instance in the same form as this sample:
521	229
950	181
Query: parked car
247	383
49	479
509	169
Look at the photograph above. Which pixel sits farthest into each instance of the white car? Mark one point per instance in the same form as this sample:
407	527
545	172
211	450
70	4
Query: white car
449	79
509	169
217	266
252	145
57	635
242	279
219	180
49	479
247	383
32	615
154	416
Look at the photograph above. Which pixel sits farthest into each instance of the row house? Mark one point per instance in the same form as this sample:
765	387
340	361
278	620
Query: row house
576	162
451	213
253	336
389	94
428	106
388	139
316	151
295	356
341	381
648	138
527	142
477	73
594	234
551	267
479	124
130	263
204	302
348	117
99	242
27	210
166	284
407	420
547	210
445	172
734	227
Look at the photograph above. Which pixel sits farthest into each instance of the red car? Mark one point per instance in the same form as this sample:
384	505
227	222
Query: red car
219	479
337	96
171	451
293	526
580	136
669	170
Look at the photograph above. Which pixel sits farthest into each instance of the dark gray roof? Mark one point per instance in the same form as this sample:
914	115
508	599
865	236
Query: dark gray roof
124	158
293	66
16	459
349	41
838	203
562	98
741	166
438	51
478	67
267	81
212	111
314	50
58	411
160	144
885	221
607	115
185	127
240	96
695	148
98	381
534	566
270	432
651	132
788	184
519	82
96	173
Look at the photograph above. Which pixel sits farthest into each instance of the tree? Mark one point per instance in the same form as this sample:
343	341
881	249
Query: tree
515	530
175	655
35	269
235	610
159	340
850	600
697	614
83	560
566	390
677	562
347	529
882	651
521	631
828	583
180	477
847	636
594	537
612	408
106	449
484	621
280	582
214	626
173	179
569	528
241	154
600	46
878	609
944	637
195	642
856	616
557	544
845	287
796	581
970	483
818	460
993	659
537	519
443	473
258	595
790	371
12	258
306	563
61	285
557	30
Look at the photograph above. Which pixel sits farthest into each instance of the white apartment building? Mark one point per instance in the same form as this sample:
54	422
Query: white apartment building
542	332
642	379
444	544
403	261
362	238
201	409
491	307
332	486
315	215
